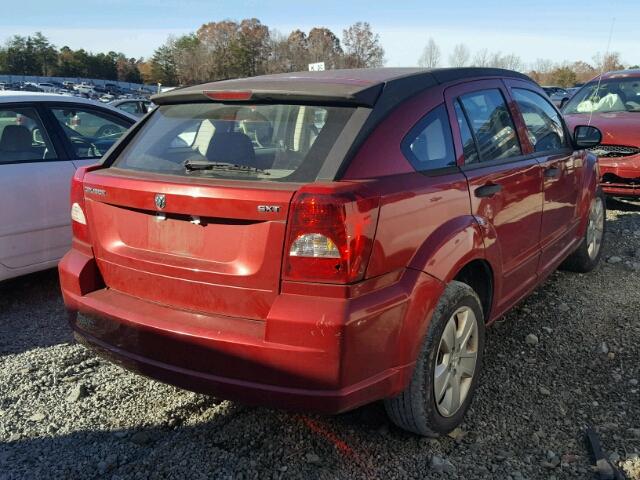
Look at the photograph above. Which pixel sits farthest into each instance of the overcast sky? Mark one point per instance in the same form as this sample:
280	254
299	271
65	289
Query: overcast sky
557	30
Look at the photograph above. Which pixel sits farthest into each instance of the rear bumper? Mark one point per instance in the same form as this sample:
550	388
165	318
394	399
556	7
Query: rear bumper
323	354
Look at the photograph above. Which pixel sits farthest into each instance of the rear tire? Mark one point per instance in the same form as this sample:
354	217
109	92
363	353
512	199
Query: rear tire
587	255
444	364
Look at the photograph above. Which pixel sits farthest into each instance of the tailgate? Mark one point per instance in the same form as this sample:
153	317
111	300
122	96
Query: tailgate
194	245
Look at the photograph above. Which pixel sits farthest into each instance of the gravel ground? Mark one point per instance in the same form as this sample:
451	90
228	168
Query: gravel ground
64	413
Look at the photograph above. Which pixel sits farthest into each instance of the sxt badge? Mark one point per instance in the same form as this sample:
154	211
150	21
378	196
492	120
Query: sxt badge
268	208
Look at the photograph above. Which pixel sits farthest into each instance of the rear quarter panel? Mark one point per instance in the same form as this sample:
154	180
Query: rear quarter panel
425	221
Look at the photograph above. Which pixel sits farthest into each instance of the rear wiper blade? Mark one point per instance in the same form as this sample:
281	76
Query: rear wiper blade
198	165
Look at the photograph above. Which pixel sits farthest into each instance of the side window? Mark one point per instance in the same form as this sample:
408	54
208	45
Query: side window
90	132
544	127
129	107
491	124
23	137
429	145
468	143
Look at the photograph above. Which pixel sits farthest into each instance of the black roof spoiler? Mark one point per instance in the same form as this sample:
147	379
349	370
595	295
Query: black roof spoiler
335	95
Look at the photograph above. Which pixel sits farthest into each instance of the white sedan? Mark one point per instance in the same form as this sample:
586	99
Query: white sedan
43	139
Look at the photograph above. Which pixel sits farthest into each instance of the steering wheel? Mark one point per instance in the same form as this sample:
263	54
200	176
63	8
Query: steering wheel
92	150
108	130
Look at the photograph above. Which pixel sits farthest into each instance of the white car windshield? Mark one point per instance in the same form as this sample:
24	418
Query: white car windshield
615	95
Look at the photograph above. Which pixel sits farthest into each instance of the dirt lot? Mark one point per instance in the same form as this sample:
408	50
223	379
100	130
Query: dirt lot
65	413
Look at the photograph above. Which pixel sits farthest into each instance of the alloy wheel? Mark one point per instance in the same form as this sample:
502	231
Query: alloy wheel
456	361
595	228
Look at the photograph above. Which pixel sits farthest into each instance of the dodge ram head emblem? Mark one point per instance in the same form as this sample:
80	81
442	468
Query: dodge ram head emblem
161	201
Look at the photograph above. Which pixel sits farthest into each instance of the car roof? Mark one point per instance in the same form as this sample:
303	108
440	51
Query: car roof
359	87
8	96
632	73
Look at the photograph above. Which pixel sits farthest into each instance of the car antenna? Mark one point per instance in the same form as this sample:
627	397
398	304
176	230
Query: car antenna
604	58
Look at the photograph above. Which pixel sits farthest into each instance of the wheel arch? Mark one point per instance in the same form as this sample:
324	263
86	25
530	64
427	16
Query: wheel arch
479	275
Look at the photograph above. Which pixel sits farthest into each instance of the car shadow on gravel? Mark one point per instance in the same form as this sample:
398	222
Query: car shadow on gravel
244	443
32	313
622	205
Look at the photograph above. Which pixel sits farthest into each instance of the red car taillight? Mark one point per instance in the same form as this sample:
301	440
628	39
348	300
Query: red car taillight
330	237
78	211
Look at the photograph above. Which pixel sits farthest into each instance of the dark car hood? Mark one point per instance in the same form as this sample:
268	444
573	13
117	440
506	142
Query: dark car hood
618	128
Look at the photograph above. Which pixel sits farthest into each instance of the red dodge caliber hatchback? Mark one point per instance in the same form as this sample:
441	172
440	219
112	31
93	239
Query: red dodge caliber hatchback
318	241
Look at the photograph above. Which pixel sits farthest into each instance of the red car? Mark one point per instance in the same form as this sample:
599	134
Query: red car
612	104
317	241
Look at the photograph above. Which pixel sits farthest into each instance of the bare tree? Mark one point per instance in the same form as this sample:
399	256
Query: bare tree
607	62
430	57
298	47
362	47
219	40
495	60
324	46
481	58
511	61
540	70
460	56
584	71
279	54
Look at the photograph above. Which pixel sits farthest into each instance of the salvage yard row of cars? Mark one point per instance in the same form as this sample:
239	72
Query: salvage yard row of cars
321	240
135	102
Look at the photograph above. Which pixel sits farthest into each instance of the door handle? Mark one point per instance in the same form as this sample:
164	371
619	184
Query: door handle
488	190
552	172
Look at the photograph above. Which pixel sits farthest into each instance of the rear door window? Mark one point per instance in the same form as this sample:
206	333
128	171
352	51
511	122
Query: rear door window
491	124
429	145
23	137
274	142
91	132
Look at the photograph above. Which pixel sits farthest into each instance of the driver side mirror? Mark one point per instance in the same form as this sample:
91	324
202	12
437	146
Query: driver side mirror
586	136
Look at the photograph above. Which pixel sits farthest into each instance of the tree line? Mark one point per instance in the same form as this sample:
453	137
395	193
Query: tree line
35	55
216	51
543	71
231	49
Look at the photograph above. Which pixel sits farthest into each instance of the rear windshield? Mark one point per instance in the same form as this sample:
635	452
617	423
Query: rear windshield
247	142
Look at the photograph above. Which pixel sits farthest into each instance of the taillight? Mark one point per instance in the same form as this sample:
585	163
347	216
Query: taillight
78	211
330	237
